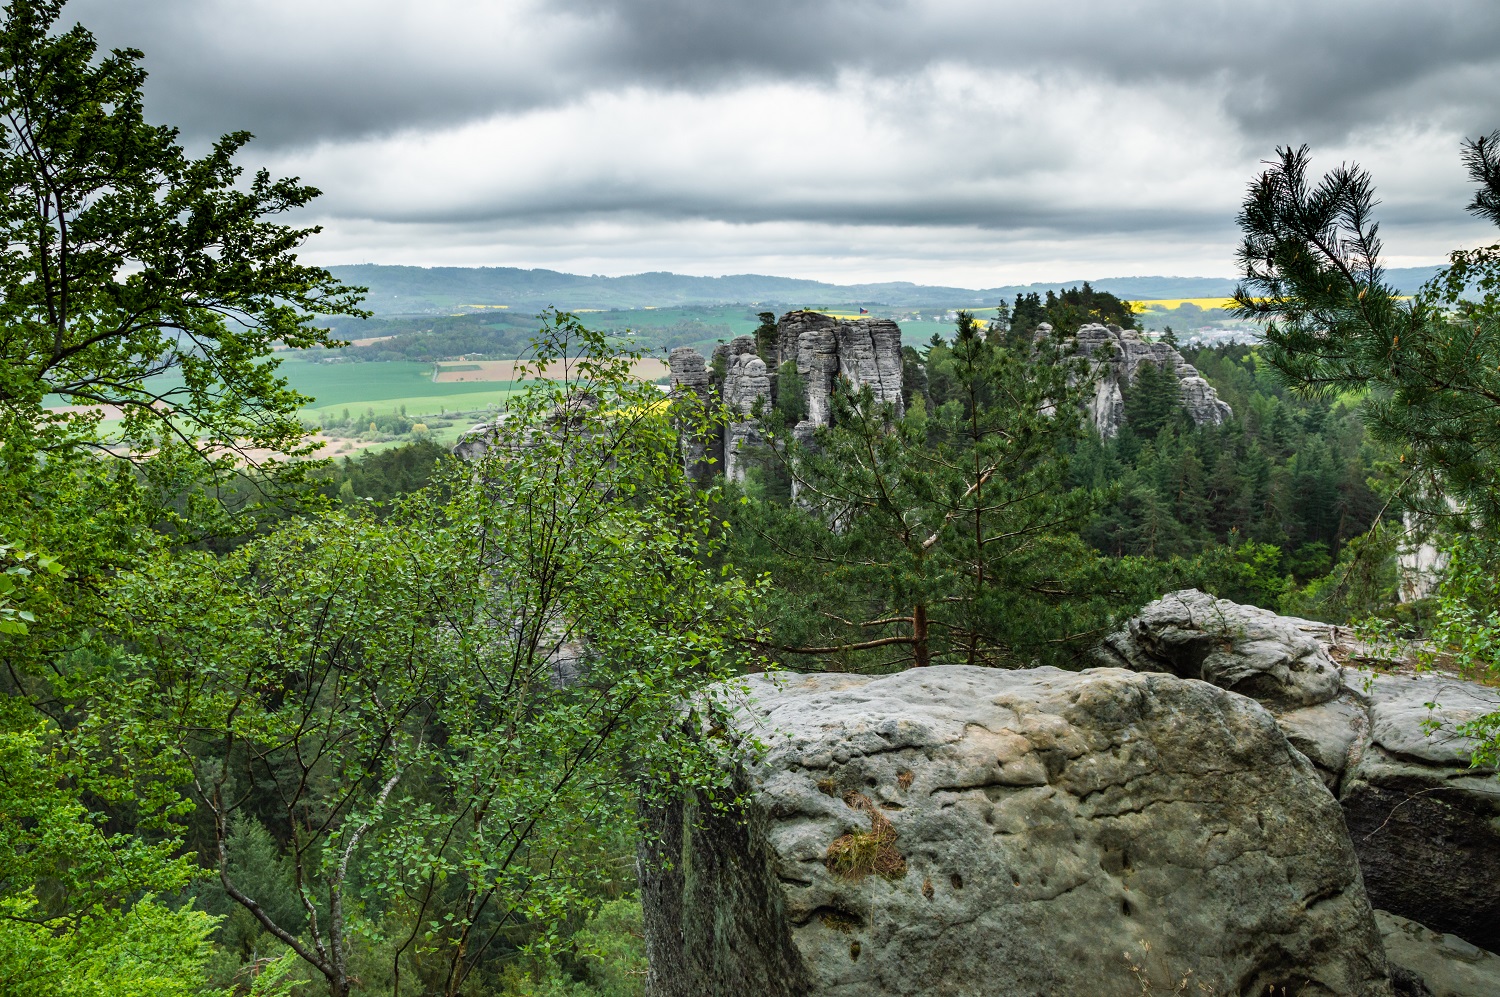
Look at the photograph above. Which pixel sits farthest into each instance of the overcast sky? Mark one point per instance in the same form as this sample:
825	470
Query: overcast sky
970	142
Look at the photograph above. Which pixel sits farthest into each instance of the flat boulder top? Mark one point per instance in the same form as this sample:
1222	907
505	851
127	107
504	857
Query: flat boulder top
813	720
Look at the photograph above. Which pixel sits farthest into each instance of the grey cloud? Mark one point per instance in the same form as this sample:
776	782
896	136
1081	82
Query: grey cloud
1007	215
341	74
1288	69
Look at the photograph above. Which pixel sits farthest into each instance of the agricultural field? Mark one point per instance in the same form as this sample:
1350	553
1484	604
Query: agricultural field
1173	304
648	369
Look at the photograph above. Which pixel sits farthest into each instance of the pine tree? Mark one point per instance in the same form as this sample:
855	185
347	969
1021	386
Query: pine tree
1152	401
1429	368
765	338
947	535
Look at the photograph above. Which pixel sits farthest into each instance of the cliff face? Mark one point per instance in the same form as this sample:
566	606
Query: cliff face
824	348
866	351
1117	355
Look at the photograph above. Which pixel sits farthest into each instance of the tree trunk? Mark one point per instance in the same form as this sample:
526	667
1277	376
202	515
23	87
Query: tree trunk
919	635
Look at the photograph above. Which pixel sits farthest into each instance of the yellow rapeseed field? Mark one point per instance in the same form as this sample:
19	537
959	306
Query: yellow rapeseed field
1170	304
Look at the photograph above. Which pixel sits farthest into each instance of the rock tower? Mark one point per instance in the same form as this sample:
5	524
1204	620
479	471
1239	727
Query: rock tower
1117	355
824	348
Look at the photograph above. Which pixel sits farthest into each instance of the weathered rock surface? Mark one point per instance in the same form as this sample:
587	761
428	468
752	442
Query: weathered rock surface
824	348
1031	828
1117	355
867	351
746	382
690	377
1425	823
1242	648
1442	965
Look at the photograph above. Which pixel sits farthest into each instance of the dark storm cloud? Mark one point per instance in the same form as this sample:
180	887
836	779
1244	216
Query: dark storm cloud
1070	130
317	71
1287	64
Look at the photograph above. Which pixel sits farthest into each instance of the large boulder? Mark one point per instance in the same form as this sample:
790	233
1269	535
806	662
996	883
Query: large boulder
1432	964
1245	649
966	831
1425	822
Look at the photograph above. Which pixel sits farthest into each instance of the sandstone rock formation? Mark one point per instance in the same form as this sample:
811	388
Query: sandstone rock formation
823	348
968	831
745	382
1117	355
689	376
1241	648
1425	823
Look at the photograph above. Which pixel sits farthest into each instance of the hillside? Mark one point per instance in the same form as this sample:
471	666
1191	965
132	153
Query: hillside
396	290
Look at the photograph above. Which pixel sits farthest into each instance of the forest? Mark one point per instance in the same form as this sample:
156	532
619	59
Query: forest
275	724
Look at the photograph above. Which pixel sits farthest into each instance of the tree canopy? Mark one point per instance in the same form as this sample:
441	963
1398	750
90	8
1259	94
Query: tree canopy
1428	367
135	277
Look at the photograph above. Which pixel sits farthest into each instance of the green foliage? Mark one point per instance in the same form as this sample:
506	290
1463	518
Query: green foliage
1466	630
256	865
1428	369
1066	312
16	567
1153	400
436	707
765	338
913	377
612	949
606	958
70	920
944	535
385	475
1364	583
126	258
148	950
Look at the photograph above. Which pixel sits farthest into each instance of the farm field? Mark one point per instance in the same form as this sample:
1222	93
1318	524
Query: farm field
1172	304
649	369
384	387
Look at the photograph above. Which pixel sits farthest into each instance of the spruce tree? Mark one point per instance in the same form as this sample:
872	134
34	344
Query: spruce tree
1153	400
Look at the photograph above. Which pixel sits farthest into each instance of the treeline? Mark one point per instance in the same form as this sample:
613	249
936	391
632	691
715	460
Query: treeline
492	335
487	336
1295	474
1066	311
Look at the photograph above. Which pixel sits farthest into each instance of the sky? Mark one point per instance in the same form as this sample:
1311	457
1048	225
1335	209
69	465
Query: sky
965	142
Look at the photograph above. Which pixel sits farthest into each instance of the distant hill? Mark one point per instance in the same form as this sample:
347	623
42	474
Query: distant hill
427	290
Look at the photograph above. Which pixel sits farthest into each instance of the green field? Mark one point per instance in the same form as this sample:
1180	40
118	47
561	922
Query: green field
386	386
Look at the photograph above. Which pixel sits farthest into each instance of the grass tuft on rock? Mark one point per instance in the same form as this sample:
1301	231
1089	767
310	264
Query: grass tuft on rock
861	853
